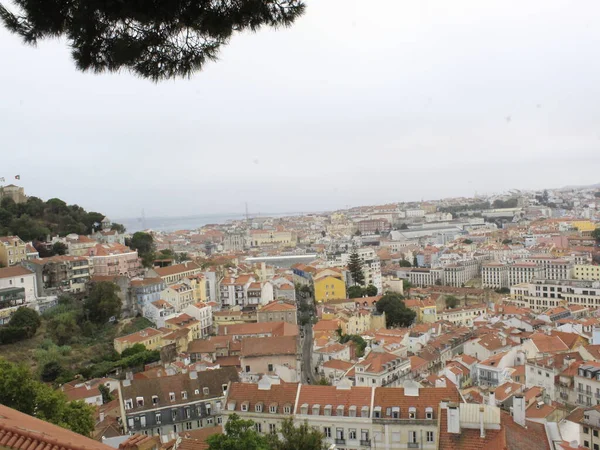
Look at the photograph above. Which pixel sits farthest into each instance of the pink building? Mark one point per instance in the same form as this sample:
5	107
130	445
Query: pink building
115	259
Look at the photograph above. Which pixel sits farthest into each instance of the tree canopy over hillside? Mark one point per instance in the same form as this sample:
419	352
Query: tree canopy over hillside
36	219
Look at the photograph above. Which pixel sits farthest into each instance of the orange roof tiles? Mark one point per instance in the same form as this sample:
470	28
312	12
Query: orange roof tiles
19	431
312	395
282	394
428	397
267	346
469	438
14	271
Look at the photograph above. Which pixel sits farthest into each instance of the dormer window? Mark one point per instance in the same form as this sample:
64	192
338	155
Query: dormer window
364	411
340	410
287	409
429	413
128	404
316	409
395	412
412	412
304	409
172	396
155	399
258	407
224	388
196	391
273	408
388	411
205	391
184	395
352	411
245	406
139	401
377	412
327	411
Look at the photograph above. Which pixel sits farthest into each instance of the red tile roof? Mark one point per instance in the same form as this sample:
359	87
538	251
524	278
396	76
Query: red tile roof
19	431
283	394
428	397
331	395
469	438
268	346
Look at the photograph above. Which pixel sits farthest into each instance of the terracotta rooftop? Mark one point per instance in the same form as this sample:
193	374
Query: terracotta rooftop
277	306
176	269
14	271
19	431
469	438
322	396
139	336
268	346
282	395
427	397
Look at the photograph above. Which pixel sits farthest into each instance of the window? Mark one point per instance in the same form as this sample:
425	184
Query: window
188	413
209	421
205	391
586	444
352	434
258	427
130	422
155	399
270	367
245	406
412	437
287	410
429	413
196	391
173	414
128	404
339	433
377	412
596	447
158	418
258	407
184	395
547	375
142	421
273	409
595	433
247	369
412	412
327	431
172	396
272	428
429	436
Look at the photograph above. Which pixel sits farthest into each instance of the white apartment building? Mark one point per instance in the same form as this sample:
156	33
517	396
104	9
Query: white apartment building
462	316
381	369
202	312
494	276
554	268
426	277
179	295
17	288
587	384
524	273
350	417
459	273
542	294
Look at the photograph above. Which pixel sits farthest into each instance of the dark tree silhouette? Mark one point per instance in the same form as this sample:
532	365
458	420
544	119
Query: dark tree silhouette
156	39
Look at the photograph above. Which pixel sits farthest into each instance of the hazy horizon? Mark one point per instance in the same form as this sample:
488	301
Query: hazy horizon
358	103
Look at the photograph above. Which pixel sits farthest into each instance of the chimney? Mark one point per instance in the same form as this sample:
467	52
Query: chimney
481	425
519	410
444	403
193	375
129	375
101	417
492	398
453	418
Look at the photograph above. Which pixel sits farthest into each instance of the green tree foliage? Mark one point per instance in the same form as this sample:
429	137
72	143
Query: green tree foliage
465	208
36	219
103	302
510	203
301	437
404	226
467	241
63	328
404	263
239	435
106	395
415	261
19	390
144	244
51	371
370	291
396	312
355	266
161	40
451	301
355	292
361	344
26	318
133	350
119	228
596	234
323	382
58	248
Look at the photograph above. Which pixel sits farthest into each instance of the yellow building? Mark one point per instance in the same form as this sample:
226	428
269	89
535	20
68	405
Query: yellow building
584	225
329	285
586	272
12	251
185	321
280	237
425	308
198	285
150	337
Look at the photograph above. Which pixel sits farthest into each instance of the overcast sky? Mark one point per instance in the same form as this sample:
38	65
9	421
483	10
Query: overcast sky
360	102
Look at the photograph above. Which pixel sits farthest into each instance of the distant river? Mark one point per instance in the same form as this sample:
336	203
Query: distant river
185	222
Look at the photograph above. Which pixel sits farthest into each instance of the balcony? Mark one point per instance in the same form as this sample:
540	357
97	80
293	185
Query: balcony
340	441
365	442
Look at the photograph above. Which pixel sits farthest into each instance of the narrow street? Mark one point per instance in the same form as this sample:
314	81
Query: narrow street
308	374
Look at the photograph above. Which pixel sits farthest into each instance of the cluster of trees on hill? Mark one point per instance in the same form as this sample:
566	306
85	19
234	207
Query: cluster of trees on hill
35	219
